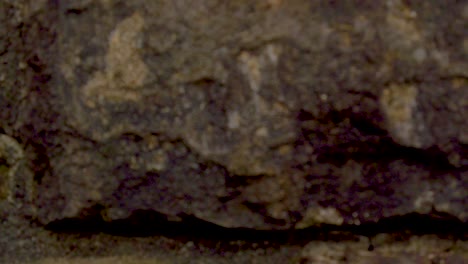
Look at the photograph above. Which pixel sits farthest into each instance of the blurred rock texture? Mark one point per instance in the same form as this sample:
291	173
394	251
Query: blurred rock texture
267	115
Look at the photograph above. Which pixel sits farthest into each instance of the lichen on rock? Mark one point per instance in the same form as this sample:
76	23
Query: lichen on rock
11	155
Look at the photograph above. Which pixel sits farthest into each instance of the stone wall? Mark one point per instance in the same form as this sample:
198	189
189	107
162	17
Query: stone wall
274	115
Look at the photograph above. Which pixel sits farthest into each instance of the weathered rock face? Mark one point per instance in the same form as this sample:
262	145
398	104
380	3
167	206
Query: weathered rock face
258	114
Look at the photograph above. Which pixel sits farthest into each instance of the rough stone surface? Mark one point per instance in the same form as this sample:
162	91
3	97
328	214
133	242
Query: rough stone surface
266	115
251	114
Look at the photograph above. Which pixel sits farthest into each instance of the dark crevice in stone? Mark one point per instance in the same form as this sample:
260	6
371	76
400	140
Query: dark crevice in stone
205	82
75	11
305	116
432	159
364	122
36	64
383	153
238	180
144	223
361	140
40	162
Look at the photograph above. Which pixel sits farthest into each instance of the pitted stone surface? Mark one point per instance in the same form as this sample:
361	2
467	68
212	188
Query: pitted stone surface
254	114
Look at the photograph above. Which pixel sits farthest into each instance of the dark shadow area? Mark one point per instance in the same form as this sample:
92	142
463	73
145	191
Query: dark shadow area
384	152
150	223
362	140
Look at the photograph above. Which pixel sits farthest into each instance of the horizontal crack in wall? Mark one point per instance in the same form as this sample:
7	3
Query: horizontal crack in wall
149	223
